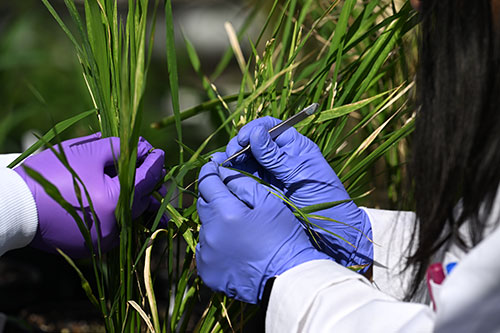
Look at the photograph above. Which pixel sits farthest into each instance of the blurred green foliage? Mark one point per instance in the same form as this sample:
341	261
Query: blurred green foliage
39	72
42	82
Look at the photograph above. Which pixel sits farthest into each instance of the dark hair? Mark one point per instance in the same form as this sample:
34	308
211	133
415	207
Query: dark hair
456	155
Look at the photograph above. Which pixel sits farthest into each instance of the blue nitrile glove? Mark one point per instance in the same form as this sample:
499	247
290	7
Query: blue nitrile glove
247	234
295	165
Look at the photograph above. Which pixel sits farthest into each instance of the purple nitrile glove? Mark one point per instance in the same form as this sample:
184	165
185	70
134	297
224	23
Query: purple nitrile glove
247	234
295	165
90	157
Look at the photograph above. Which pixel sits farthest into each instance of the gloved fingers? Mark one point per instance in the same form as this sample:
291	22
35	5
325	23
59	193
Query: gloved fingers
105	151
197	254
210	185
143	148
203	251
243	187
149	173
267	122
268	153
244	162
204	212
81	140
219	157
213	190
233	147
288	137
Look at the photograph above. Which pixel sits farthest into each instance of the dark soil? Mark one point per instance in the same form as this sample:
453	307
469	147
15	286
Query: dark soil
42	293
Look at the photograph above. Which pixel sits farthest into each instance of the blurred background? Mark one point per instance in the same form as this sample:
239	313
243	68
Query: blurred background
42	82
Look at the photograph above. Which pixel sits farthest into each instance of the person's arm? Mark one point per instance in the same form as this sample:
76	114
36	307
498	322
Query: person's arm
18	214
248	237
30	215
295	165
323	296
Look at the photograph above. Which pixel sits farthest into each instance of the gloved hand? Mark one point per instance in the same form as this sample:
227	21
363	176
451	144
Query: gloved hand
247	234
93	159
295	165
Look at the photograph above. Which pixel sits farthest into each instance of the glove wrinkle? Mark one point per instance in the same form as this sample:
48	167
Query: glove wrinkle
230	229
90	158
305	177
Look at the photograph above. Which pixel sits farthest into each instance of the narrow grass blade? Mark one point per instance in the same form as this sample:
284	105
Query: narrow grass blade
181	290
343	110
173	76
246	102
380	150
143	314
180	222
61	24
188	304
85	284
149	282
207	85
54	193
58	128
368	141
327	205
226	58
233	40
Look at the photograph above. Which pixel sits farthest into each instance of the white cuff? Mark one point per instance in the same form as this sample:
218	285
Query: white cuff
6	159
18	212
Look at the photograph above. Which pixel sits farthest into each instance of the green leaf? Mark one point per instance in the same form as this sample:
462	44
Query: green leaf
54	193
357	268
191	112
327	205
340	111
172	69
180	222
240	108
61	24
85	284
181	290
58	128
380	150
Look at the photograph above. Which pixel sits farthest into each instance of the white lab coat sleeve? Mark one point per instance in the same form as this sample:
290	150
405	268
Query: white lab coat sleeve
392	232
18	213
323	296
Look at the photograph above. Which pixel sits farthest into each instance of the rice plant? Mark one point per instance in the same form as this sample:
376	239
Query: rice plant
349	56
